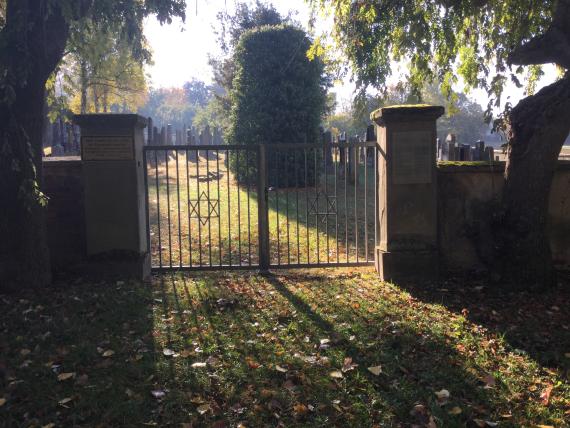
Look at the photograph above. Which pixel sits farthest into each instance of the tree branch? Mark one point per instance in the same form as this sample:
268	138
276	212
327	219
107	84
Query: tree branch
550	47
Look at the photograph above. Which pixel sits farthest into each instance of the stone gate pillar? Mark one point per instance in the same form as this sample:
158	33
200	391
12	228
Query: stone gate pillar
407	192
114	189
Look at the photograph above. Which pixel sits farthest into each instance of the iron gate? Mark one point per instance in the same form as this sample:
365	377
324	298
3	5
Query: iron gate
264	206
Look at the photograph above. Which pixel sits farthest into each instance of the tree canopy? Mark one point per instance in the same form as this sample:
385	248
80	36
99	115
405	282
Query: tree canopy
278	94
440	40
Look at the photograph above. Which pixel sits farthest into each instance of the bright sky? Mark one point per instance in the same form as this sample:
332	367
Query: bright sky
181	50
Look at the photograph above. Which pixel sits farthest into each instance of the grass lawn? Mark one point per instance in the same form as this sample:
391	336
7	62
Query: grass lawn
302	348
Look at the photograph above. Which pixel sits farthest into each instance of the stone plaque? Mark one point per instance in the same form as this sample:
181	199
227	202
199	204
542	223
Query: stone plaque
412	153
107	148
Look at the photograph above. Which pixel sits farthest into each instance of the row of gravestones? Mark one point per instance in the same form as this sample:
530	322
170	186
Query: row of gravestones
168	136
450	150
61	139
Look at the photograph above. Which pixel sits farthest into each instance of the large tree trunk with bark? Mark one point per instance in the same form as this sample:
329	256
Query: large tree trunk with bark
537	129
33	41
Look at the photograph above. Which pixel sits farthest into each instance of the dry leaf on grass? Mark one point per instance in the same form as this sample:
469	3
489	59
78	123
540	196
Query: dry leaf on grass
375	370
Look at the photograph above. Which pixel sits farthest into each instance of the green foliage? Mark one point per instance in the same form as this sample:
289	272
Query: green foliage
231	27
278	94
477	36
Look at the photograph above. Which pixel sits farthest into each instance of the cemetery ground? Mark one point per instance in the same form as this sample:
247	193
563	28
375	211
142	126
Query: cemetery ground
293	348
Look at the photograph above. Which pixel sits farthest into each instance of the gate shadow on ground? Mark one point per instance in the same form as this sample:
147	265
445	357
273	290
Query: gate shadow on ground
296	348
536	324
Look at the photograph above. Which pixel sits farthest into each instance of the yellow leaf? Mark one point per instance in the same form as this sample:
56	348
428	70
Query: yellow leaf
336	374
455	411
203	408
108	353
375	370
65	376
2	401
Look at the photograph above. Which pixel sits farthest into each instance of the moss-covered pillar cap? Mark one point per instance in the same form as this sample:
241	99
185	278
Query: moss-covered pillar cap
406	113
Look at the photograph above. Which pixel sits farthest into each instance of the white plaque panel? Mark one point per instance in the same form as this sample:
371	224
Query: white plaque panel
107	148
412	154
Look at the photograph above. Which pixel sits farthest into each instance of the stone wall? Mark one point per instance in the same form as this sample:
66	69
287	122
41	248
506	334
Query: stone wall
467	200
63	184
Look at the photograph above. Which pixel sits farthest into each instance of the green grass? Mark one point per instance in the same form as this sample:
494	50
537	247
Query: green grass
270	345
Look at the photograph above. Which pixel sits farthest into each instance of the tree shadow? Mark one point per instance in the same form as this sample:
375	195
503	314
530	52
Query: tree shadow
536	324
78	353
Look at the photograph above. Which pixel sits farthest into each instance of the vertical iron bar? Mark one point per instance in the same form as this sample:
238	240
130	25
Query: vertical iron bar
366	201
229	210
307	204
208	206
297	204
158	207
347	248
287	206
317	206
336	202
199	210
238	206
188	207
326	175
248	172
355	156
146	198
168	211
277	207
219	207
262	209
178	203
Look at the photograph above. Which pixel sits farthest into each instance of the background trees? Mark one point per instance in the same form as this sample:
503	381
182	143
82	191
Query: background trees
486	43
278	94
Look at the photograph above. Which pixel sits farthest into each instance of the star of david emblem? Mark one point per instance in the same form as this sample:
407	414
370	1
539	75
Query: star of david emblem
204	208
316	205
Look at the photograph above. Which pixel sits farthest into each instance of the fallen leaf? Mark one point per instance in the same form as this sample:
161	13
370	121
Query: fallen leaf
108	353
280	369
455	411
300	409
203	408
158	393
336	374
65	401
348	365
50	425
2	401
489	381
25	352
198	365
442	396
185	353
168	352
545	395
252	364
65	376
375	370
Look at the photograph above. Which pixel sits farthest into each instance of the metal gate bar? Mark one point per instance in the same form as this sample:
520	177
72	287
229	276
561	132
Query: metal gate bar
306	196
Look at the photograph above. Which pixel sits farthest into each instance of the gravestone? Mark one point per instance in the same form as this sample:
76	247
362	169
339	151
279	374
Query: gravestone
407	192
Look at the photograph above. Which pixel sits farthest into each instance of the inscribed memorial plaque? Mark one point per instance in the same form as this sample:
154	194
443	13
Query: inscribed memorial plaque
107	148
412	153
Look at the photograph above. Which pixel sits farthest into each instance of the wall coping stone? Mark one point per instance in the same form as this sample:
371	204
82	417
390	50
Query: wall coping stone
452	167
406	113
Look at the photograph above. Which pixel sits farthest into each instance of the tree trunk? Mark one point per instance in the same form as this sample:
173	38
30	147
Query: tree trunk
537	129
83	83
33	44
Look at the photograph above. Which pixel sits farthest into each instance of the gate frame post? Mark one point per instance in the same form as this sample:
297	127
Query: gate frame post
263	209
407	192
